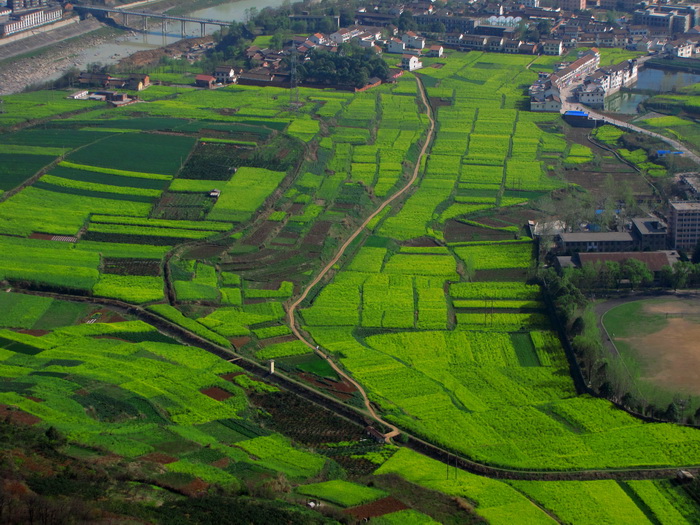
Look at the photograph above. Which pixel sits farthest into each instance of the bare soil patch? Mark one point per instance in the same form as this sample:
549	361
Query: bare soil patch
238	342
673	352
36	333
221	463
195	488
15	415
158	457
217	393
378	508
262	233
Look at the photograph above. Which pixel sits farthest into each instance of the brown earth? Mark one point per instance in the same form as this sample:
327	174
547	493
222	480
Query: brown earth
195	488
238	342
377	508
673	352
17	416
221	463
217	393
158	457
34	332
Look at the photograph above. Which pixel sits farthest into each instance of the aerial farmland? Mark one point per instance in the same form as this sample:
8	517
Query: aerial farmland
332	302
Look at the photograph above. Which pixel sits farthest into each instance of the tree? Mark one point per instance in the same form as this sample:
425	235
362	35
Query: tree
407	22
666	276
695	258
682	272
637	272
611	274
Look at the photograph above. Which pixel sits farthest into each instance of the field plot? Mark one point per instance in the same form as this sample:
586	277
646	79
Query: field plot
658	338
342	493
431	312
496	387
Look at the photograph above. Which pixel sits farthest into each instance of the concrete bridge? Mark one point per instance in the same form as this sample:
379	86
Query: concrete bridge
125	14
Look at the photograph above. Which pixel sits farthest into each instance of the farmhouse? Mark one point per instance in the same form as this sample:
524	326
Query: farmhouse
395	45
435	51
412	40
205	81
226	74
410	62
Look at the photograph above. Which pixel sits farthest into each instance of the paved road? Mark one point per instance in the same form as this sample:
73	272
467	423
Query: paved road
687	152
291	309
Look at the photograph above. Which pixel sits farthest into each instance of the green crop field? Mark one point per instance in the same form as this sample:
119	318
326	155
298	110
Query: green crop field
428	309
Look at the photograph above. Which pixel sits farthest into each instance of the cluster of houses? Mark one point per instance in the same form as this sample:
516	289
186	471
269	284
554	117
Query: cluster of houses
587	82
495	26
107	85
545	92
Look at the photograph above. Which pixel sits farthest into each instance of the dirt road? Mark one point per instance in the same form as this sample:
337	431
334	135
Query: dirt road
292	308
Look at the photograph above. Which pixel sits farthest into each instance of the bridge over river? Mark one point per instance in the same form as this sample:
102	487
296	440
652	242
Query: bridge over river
125	14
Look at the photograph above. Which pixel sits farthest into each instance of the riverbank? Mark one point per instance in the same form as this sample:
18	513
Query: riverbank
48	55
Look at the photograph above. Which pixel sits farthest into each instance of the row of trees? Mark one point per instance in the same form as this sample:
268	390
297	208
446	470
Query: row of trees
603	373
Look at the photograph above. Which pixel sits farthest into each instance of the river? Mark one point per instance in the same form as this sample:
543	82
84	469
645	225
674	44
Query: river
649	79
111	52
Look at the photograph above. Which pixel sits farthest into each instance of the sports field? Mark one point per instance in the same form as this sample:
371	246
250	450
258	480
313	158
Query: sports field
660	338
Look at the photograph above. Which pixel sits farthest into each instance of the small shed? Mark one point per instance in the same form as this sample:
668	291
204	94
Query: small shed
214	194
205	81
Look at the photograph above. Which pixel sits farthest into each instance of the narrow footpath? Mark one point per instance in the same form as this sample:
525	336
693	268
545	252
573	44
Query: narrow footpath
292	308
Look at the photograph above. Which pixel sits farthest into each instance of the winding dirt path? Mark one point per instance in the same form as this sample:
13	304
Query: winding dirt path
292	308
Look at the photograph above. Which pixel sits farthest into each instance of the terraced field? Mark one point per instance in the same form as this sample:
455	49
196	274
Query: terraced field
234	218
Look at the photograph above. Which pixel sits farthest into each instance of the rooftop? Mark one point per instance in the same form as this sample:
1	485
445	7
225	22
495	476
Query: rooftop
650	226
654	260
686	206
595	236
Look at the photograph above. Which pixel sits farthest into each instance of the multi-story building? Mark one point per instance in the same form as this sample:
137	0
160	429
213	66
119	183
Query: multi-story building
573	5
649	233
684	225
674	21
27	20
18	5
552	47
595	242
410	62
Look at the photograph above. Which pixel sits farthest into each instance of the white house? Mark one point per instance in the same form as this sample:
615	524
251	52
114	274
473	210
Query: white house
591	94
225	74
394	45
344	35
412	40
550	103
553	47
680	48
435	51
410	62
319	39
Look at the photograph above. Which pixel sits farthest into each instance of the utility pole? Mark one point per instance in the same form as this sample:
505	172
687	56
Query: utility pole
293	89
